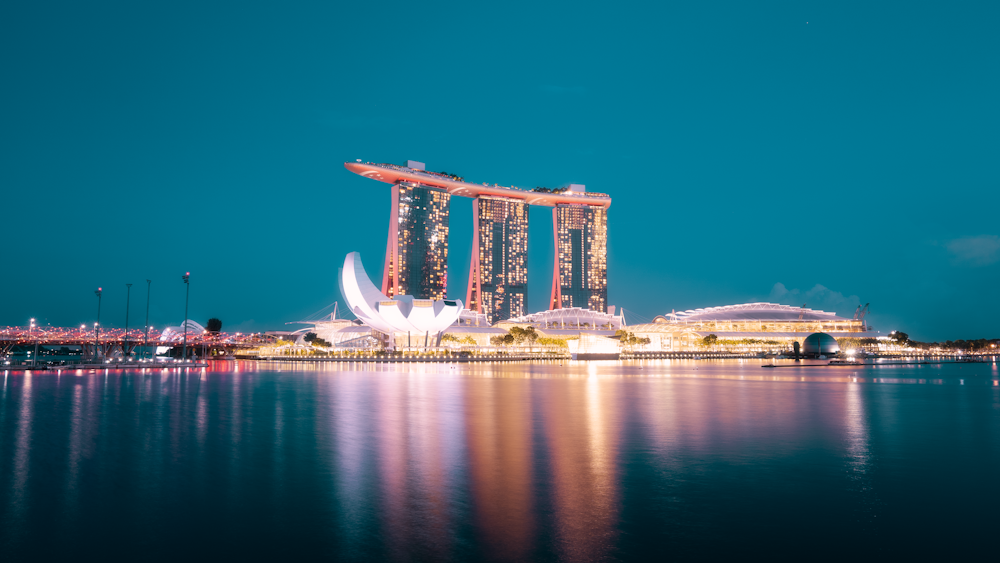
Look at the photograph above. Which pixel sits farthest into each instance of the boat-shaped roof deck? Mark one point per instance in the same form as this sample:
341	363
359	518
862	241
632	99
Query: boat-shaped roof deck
392	174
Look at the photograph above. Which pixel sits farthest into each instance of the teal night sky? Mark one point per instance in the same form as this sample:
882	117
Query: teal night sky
800	152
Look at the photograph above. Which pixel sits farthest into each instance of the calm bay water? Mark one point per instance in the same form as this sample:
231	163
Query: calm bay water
581	461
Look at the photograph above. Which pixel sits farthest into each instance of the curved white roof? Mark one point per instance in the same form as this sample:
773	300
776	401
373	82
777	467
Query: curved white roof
176	333
402	313
754	312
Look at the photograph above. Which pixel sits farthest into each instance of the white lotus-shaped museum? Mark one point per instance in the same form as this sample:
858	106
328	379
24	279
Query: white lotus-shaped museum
402	313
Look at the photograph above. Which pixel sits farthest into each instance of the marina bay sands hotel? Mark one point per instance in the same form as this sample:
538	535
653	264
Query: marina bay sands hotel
416	256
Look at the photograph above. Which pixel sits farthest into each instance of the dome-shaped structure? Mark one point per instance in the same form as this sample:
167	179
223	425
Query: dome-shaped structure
820	343
176	333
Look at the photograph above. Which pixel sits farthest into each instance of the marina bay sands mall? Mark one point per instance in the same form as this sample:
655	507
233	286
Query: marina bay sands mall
416	256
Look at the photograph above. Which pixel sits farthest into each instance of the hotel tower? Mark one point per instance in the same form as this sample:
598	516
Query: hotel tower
416	255
580	272
498	275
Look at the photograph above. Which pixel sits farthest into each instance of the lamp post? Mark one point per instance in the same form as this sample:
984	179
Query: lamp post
187	282
128	298
97	325
145	346
34	358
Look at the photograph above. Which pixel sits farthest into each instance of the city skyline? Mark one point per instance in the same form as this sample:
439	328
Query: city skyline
334	280
751	156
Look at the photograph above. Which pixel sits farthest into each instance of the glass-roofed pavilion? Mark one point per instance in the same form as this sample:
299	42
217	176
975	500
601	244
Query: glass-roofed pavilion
770	324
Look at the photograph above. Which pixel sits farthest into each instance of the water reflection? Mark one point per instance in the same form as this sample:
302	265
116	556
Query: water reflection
860	455
22	453
498	422
421	431
581	449
484	461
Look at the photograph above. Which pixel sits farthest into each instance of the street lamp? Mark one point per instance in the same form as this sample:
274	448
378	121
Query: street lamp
97	325
128	298
146	345
34	358
187	281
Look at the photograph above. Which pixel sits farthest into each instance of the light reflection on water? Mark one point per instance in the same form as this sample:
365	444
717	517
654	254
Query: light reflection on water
566	461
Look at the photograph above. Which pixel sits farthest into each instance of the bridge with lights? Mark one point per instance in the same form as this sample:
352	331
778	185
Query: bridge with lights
111	342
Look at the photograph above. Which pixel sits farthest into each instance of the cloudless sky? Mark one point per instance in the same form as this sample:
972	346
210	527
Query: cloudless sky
826	153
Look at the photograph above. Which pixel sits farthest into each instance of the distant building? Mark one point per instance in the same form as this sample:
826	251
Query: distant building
498	275
749	325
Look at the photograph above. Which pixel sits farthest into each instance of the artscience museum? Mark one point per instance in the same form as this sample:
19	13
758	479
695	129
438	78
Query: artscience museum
401	320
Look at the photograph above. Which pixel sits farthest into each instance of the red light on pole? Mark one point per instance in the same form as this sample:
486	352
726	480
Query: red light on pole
187	283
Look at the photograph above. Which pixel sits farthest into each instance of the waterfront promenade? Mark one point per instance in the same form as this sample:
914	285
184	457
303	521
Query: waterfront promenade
410	357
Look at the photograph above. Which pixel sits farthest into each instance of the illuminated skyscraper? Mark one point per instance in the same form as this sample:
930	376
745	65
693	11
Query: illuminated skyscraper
416	256
580	274
498	276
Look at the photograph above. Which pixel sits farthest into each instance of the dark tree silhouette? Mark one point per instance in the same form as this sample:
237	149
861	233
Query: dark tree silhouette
213	325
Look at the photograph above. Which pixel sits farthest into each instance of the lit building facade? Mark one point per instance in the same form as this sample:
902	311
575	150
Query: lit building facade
416	255
580	270
417	250
747	327
498	274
